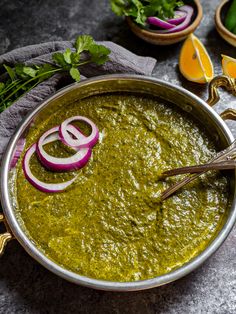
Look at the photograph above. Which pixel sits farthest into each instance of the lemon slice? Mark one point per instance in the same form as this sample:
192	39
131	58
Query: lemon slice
194	62
229	66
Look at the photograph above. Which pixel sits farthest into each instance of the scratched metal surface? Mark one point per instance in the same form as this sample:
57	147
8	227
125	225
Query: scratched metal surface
25	286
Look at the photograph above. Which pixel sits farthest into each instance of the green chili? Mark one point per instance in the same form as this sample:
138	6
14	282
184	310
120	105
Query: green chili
230	21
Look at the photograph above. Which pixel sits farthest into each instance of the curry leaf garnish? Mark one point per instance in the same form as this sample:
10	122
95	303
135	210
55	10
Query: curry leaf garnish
139	10
22	78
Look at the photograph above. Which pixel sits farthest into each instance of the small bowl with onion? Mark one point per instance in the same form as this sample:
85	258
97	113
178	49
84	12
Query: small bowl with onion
225	21
167	23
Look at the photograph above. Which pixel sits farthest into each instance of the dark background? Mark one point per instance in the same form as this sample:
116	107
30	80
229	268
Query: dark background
25	286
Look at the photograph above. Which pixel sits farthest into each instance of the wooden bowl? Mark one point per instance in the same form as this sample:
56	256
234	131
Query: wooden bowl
219	18
171	38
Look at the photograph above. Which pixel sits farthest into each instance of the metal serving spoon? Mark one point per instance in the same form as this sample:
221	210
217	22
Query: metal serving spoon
223	160
223	165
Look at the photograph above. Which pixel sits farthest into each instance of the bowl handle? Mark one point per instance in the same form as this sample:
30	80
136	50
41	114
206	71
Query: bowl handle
214	97
5	237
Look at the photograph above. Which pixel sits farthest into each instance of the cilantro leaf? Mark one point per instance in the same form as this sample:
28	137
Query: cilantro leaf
58	58
118	7
83	43
99	54
19	69
140	16
67	55
10	72
75	57
2	86
29	71
75	74
45	71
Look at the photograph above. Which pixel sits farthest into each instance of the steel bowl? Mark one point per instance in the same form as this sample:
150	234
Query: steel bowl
182	98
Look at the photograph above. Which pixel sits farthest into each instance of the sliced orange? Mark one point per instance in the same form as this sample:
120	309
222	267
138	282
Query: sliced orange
229	66
194	61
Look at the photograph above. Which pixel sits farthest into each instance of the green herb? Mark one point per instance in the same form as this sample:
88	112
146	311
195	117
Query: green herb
22	78
139	10
230	21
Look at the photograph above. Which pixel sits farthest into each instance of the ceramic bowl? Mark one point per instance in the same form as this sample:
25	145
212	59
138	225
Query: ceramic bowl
219	20
168	39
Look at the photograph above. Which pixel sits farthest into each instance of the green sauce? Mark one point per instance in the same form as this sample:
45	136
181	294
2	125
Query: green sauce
111	224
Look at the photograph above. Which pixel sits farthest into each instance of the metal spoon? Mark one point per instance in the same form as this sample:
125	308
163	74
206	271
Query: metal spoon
223	165
226	155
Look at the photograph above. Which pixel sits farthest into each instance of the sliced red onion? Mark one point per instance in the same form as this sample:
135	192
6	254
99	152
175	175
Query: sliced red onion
19	149
78	160
87	141
185	8
159	23
42	186
178	18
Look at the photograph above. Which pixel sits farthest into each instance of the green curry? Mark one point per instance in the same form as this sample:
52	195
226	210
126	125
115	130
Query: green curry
110	224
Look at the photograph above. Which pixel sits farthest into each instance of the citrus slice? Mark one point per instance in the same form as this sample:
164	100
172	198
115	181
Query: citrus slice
229	66
194	61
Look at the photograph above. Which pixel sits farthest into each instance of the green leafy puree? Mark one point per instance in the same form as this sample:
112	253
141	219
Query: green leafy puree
110	224
22	78
139	10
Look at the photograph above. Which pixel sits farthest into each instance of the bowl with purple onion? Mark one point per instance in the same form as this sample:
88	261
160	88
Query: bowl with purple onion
160	22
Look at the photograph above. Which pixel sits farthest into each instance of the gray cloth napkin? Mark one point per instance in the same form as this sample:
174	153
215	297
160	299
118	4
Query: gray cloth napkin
121	61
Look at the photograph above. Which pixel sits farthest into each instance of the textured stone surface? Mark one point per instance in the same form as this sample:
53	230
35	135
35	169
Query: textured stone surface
25	286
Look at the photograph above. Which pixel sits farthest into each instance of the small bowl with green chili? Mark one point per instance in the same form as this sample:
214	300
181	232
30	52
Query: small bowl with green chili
225	21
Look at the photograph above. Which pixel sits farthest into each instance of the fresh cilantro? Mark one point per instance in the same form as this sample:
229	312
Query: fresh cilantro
118	7
30	71
139	10
2	86
22	78
58	58
67	56
75	74
99	54
83	43
10	72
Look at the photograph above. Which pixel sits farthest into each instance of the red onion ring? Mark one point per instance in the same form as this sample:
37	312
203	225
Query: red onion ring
185	8
178	18
159	22
42	186
19	149
78	160
87	141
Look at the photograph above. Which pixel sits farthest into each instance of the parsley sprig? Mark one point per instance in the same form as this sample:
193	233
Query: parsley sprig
139	10
22	78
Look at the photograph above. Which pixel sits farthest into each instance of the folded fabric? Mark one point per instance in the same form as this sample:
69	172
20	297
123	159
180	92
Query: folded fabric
121	61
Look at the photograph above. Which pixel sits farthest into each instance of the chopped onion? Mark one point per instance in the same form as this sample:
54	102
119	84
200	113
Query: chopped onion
178	18
42	186
78	160
158	22
87	141
185	8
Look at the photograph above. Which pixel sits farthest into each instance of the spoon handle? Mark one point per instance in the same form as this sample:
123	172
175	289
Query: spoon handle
223	165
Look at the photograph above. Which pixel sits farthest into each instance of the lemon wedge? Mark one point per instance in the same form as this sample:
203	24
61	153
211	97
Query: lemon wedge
229	66
194	62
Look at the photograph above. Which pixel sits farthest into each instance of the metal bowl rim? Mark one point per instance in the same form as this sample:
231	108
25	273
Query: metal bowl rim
83	280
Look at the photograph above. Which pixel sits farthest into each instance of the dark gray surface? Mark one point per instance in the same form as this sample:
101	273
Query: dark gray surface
25	286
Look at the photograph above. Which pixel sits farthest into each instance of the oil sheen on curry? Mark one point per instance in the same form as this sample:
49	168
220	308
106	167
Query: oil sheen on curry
110	224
